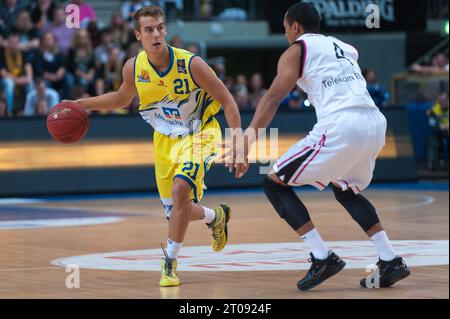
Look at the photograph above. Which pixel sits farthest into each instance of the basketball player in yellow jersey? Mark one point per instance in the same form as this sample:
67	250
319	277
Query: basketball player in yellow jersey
179	96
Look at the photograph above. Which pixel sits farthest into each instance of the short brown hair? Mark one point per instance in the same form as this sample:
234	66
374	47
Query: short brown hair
148	11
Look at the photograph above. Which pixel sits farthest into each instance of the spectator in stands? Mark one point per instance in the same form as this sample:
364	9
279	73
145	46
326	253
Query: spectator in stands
193	48
8	12
81	61
121	33
29	35
241	80
172	8
242	98
78	92
109	74
129	8
49	64
440	111
63	34
94	33
41	99
439	65
87	12
102	50
16	73
42	12
438	120
206	10
229	83
132	50
3	107
218	65
256	89
376	90
2	34
176	41
295	101
233	12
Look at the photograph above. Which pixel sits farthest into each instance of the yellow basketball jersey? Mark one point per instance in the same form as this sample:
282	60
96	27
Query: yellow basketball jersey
171	101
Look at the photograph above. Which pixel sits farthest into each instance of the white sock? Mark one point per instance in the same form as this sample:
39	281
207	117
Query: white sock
173	248
383	246
210	215
316	244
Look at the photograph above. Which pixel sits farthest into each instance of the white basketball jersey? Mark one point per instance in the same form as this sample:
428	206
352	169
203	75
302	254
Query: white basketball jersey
330	75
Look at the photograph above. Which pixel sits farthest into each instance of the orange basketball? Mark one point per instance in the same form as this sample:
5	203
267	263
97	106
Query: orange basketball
67	122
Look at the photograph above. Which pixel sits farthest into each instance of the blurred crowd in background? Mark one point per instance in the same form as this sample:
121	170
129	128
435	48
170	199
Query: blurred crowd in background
42	61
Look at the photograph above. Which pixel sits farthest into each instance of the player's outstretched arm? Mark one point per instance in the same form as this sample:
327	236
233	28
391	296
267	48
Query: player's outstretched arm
117	99
284	82
208	81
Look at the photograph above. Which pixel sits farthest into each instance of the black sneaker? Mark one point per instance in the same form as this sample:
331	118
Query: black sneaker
389	272
321	270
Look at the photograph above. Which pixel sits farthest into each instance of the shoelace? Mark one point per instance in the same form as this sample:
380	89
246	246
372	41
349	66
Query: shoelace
215	231
167	266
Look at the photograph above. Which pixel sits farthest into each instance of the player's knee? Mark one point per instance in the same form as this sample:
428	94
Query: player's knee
286	203
272	190
272	186
361	210
180	190
342	196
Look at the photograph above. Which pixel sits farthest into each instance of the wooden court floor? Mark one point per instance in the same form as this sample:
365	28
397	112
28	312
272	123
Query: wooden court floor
26	270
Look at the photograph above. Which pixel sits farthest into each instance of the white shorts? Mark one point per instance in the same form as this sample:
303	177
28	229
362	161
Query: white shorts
341	148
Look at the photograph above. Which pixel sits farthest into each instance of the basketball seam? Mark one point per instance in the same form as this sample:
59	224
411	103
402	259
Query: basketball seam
72	130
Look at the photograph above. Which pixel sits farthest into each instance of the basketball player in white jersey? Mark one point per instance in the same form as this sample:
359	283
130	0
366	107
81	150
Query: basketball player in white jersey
341	148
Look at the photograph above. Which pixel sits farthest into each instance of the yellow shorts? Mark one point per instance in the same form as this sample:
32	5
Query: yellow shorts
188	157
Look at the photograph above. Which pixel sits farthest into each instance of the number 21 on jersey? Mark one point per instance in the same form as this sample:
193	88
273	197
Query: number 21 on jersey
181	87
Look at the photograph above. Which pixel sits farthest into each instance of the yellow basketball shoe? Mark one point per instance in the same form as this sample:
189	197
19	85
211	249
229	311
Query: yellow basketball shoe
169	276
219	227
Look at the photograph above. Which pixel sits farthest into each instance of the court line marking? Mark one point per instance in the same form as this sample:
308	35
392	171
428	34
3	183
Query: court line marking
260	256
28	224
13	201
404	186
427	200
60	267
21	269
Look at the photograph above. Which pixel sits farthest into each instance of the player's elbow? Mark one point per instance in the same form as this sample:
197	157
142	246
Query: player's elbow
123	100
230	106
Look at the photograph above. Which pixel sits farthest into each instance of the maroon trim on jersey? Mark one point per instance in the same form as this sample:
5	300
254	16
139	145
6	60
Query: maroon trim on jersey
346	184
296	155
321	143
320	184
303	56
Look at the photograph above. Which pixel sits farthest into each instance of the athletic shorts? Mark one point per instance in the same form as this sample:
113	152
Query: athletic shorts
341	148
188	157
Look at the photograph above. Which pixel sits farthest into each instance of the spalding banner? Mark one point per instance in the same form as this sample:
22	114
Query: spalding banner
382	15
367	15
